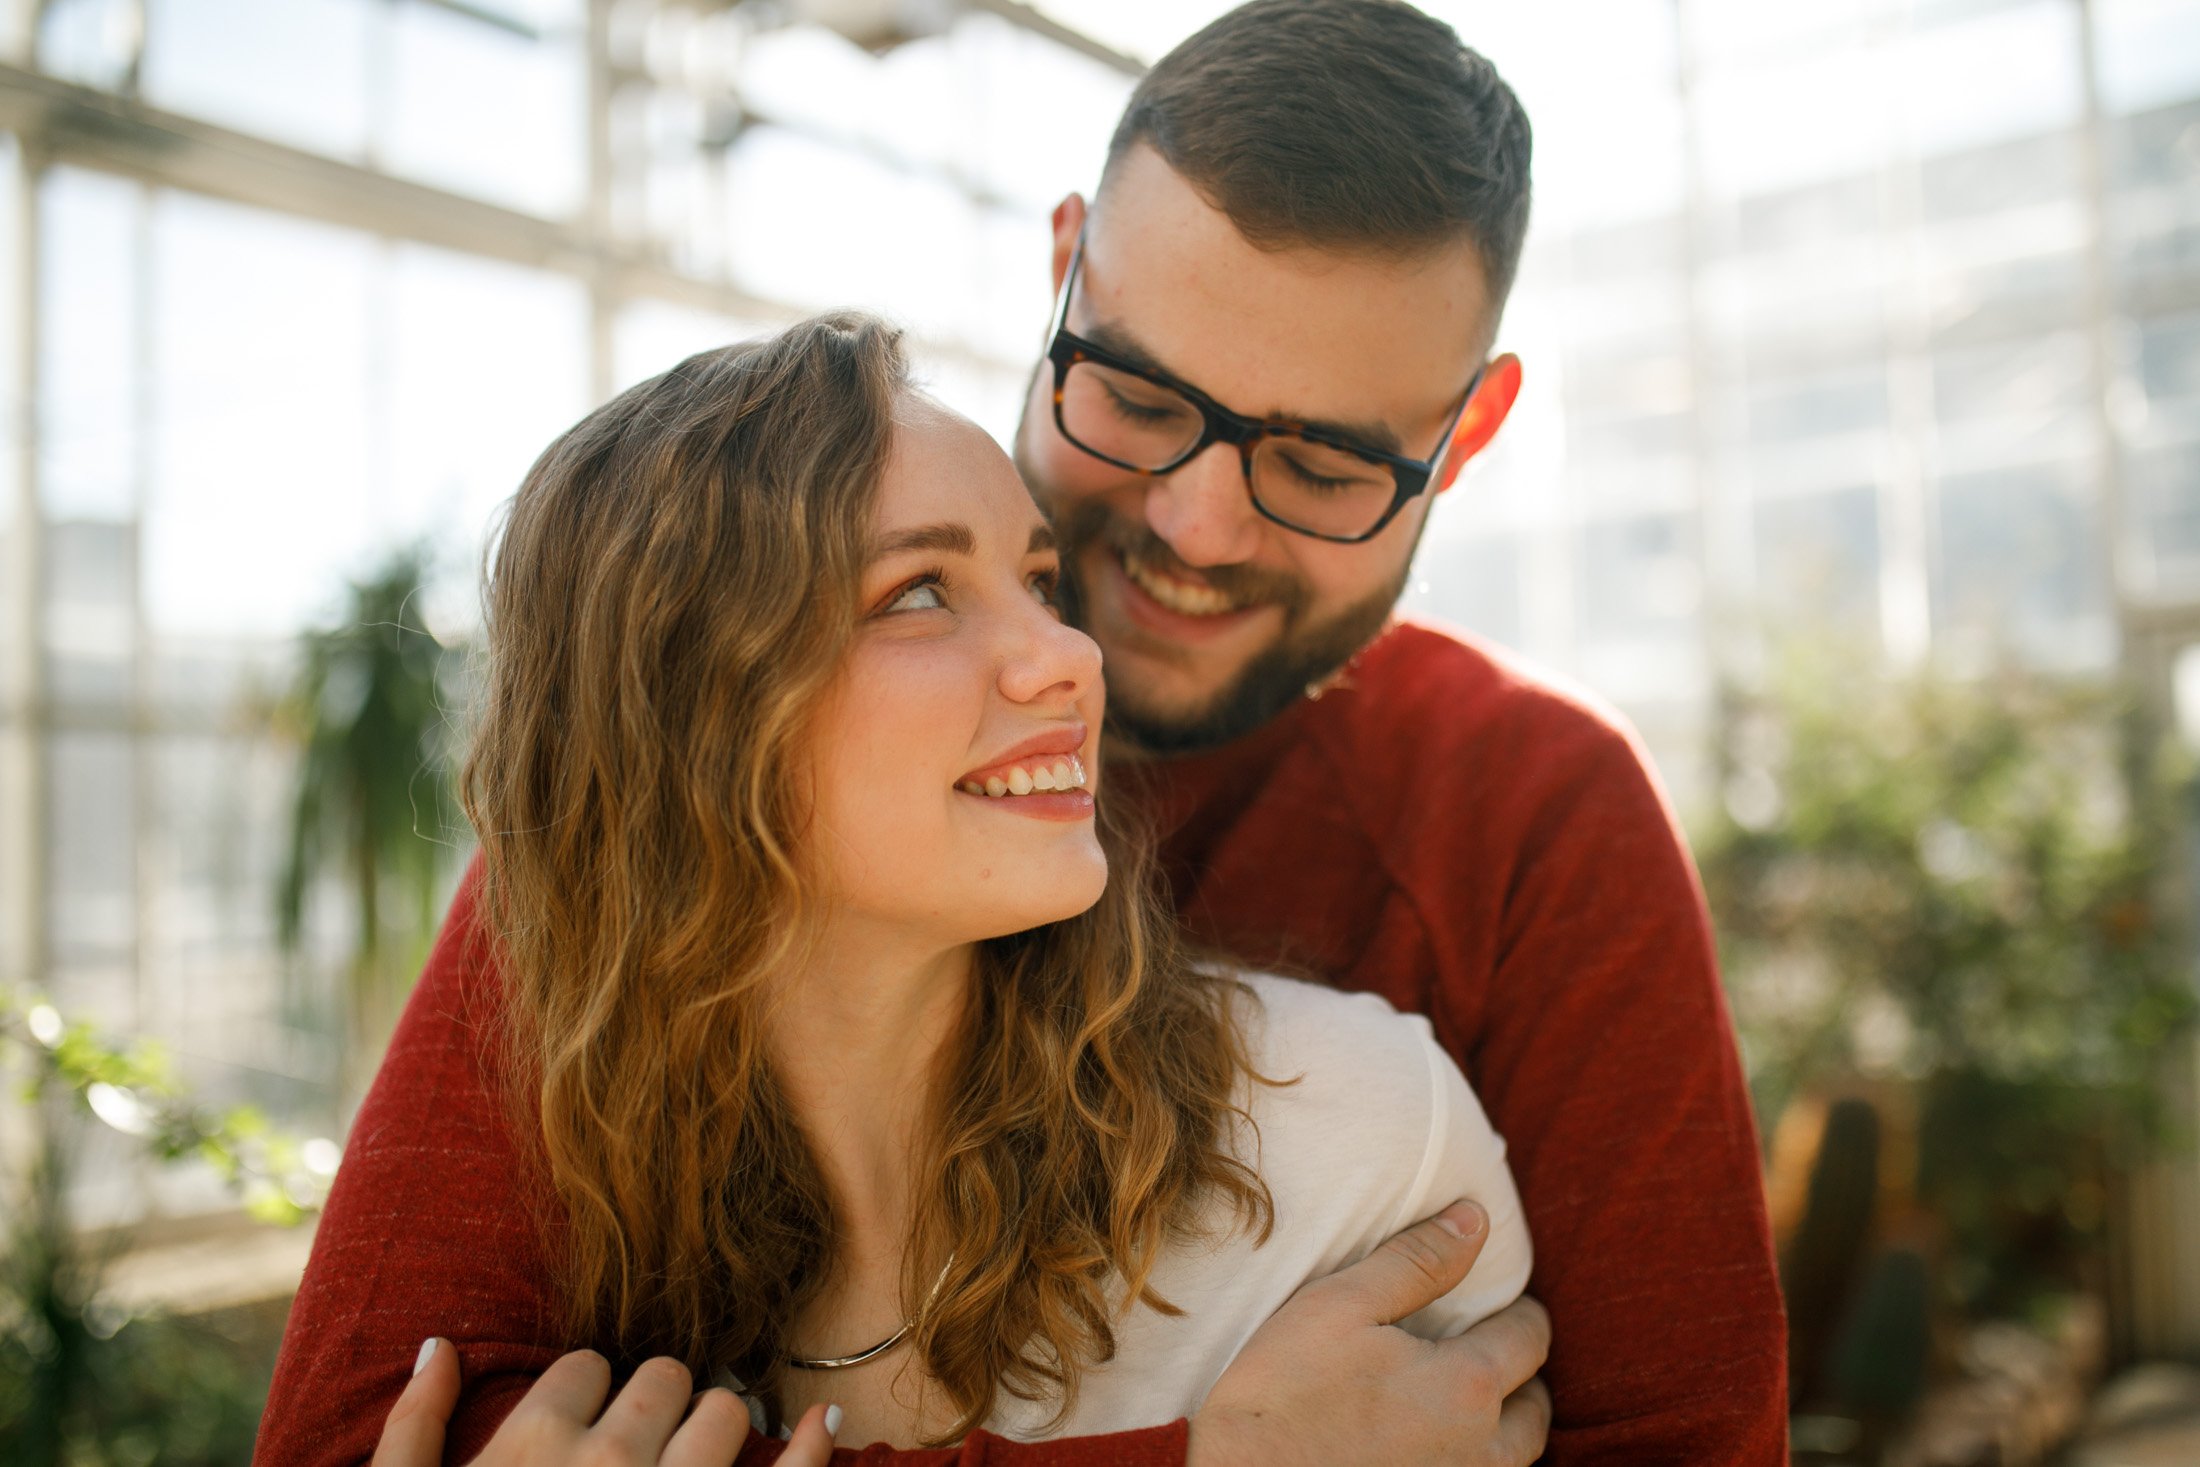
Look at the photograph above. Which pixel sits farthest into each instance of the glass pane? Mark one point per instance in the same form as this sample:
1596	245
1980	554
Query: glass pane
1736	30
2147	52
2002	176
2019	567
1811	215
1818	559
487	363
88	311
1638	578
92	891
2032	280
1767	127
215	846
653	336
541	15
805	228
993	398
1472	583
2024	399
1041	116
1589	172
1655	247
2164	486
11	627
15	796
292	70
2019	70
2159	148
90	41
91	616
1825	406
1014	289
483	111
2169	359
262	454
805	76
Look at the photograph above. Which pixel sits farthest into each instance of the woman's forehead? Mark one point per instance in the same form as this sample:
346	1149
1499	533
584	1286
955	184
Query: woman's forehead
944	468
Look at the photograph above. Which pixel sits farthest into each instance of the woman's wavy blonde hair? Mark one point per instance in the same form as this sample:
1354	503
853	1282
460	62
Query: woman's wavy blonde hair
672	592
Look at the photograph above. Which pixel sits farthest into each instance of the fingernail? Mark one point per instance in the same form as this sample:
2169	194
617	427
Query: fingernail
1462	1220
427	1353
832	1421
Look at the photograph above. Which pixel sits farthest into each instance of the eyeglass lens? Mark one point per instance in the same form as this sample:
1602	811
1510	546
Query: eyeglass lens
1145	425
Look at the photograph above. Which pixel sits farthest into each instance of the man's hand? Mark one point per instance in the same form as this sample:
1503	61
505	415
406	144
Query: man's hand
1327	1382
562	1418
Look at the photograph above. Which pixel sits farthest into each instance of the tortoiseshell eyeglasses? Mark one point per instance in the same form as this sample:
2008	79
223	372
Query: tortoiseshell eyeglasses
1303	478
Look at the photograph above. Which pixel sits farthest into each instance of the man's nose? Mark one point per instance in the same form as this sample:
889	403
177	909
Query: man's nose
1202	510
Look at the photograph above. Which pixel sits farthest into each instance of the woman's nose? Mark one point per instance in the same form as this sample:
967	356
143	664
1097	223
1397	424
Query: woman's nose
1050	659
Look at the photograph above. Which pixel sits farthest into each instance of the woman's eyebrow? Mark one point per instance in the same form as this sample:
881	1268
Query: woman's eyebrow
1042	538
946	538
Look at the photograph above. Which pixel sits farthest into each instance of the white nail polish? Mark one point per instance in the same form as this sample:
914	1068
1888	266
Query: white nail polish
427	1353
832	1421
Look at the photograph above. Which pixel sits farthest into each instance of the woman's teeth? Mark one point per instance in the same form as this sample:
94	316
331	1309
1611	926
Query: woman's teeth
1028	779
1178	596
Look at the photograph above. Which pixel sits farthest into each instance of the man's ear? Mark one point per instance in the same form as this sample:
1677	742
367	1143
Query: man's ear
1485	414
1069	217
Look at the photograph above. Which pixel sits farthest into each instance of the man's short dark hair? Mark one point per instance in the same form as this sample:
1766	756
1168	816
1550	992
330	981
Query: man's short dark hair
1345	124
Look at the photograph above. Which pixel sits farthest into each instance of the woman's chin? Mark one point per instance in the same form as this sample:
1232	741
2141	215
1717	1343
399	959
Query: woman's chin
1038	894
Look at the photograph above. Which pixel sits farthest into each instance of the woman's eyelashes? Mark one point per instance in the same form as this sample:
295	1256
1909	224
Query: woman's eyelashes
928	592
932	591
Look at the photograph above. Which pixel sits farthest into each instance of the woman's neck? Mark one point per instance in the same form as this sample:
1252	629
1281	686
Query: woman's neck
856	1042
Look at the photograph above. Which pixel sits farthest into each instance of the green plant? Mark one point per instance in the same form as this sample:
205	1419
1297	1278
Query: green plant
83	1379
373	801
1964	886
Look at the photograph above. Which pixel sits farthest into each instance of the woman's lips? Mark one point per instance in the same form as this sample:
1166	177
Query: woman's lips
1039	804
1063	742
1045	777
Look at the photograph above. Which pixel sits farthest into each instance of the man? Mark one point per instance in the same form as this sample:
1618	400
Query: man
1311	214
1270	354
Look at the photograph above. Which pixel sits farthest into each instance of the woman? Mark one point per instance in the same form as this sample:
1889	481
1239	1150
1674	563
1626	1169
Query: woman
865	1068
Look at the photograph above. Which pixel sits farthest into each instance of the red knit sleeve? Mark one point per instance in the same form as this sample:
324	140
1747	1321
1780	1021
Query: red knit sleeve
1607	1060
423	1235
1158	1446
426	1233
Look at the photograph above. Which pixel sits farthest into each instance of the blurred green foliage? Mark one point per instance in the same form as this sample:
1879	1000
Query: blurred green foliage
83	1380
374	803
1971	890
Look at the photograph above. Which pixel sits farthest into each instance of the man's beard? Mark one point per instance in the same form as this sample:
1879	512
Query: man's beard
1303	656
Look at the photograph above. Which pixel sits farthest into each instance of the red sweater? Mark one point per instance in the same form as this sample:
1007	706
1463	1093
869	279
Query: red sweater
1442	828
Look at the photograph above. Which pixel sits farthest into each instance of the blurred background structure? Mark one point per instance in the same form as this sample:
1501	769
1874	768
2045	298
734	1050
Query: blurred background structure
1861	322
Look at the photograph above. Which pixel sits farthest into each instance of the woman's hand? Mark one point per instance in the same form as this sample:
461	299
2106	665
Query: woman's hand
557	1421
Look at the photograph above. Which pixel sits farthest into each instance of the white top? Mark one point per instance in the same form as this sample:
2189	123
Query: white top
1380	1131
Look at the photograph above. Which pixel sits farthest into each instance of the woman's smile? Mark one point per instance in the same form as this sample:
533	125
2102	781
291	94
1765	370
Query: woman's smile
1044	776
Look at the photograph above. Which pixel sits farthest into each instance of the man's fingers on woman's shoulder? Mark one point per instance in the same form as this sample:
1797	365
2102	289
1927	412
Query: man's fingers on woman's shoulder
1415	1268
1524	1423
412	1434
1512	1344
